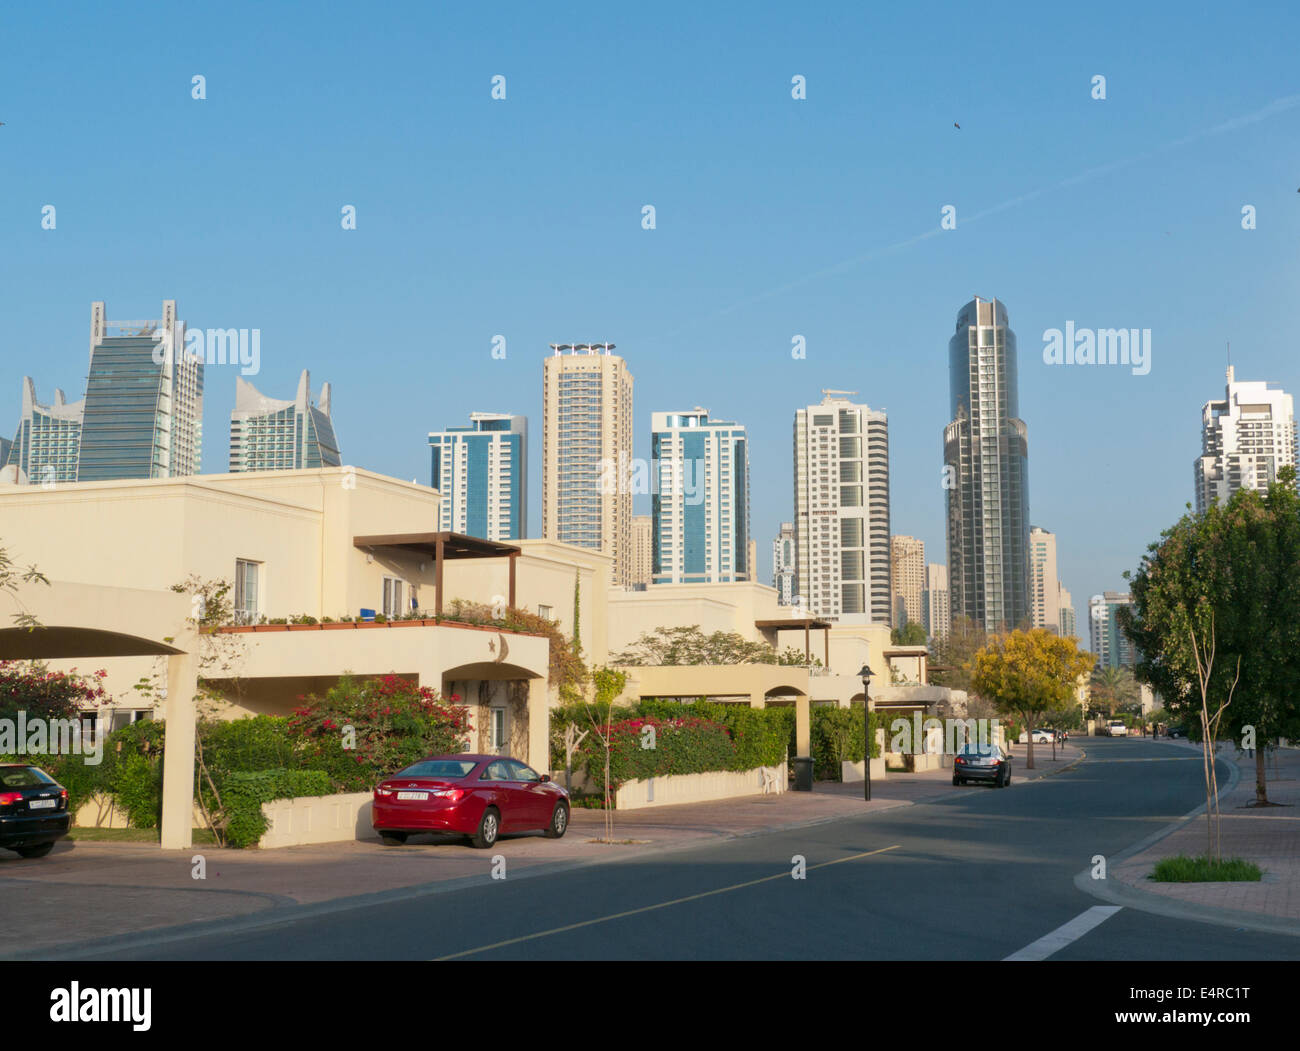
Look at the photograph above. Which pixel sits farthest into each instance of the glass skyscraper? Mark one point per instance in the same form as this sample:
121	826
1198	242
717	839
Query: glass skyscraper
986	476
46	446
144	400
700	504
481	474
271	435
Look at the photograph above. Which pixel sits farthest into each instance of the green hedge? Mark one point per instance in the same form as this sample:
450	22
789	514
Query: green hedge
244	793
761	735
684	745
828	724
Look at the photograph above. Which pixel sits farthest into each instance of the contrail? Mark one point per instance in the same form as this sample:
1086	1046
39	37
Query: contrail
1274	108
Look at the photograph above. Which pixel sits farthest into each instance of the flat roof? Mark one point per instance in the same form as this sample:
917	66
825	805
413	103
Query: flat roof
454	545
794	622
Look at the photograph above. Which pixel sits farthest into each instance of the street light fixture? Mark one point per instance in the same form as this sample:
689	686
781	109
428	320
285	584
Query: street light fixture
865	676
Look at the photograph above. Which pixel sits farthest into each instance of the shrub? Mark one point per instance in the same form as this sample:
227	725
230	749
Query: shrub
761	735
244	792
1182	869
394	722
681	746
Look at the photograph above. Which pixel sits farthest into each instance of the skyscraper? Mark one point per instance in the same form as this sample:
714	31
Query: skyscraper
481	473
700	509
642	551
144	400
986	472
587	452
841	500
934	602
1044	585
1109	643
1246	438
1069	624
783	564
48	440
271	435
907	578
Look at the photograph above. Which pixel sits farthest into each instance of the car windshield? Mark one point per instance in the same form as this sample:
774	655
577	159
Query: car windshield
980	749
24	777
439	768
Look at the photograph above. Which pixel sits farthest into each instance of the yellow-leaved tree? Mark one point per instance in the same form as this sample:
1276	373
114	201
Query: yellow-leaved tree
1030	674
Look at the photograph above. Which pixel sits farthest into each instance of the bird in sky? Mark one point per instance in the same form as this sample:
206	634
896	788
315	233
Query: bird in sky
956	125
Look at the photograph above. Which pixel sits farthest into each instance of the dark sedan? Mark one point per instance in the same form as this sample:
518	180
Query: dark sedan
480	796
33	810
982	762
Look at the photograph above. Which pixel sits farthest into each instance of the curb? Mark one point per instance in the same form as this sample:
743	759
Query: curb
1119	892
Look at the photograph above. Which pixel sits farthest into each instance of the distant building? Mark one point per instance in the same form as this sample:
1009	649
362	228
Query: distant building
700	509
1044	585
271	435
783	564
587	452
1069	625
841	502
907	578
642	550
986	477
143	415
481	474
47	444
1109	643
935	610
1246	438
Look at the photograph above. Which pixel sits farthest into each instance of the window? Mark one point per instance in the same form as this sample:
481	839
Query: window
545	611
247	606
497	729
498	771
393	597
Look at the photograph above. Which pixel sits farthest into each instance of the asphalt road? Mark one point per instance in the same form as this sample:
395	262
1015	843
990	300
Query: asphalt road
980	875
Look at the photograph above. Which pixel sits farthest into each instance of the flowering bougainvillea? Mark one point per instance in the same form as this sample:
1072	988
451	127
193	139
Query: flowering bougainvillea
686	745
363	730
31	687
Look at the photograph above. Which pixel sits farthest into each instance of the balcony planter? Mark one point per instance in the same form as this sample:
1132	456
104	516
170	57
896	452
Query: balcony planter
336	627
271	627
237	629
406	623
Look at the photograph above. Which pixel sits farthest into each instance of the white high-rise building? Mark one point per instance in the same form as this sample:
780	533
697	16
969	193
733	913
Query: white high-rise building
481	474
271	434
700	510
1111	646
47	444
841	500
1044	584
1069	624
935	611
783	564
587	452
642	551
1246	438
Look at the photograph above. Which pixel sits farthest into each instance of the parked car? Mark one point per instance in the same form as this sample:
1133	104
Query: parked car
1044	736
33	810
982	762
1117	729
1176	731
480	796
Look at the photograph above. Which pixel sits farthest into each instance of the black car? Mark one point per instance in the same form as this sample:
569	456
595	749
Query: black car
33	810
982	762
1176	731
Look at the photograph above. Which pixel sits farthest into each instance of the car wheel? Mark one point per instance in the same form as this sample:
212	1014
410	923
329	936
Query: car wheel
38	851
956	780
489	827
559	822
393	839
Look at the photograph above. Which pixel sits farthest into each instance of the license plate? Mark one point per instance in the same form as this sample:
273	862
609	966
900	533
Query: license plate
412	795
40	804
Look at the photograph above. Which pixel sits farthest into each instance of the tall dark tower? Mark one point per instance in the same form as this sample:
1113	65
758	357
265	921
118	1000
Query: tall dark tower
986	457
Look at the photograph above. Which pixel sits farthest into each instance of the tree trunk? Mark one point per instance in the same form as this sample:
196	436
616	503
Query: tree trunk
1261	777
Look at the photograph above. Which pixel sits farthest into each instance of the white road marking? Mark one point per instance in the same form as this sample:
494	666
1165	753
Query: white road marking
1064	935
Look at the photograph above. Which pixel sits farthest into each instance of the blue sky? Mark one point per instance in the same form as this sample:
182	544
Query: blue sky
775	218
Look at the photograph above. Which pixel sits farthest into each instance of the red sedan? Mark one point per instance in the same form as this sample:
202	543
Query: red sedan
480	796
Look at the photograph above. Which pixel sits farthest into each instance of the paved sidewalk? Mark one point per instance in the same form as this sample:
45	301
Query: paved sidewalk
1270	837
87	890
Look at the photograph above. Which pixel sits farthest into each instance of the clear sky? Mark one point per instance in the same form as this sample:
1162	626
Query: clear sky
774	218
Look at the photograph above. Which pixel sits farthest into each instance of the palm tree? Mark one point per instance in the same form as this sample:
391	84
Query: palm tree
1114	688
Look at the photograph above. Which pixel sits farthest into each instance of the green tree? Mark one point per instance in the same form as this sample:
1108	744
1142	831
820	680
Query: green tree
952	658
910	634
1030	674
690	646
1113	689
11	576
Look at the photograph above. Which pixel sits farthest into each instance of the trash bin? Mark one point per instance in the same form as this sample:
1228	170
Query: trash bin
803	773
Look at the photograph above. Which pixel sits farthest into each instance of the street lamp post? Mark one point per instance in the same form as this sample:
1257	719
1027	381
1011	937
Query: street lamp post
865	676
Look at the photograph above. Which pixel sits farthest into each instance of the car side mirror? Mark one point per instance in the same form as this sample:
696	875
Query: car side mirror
546	777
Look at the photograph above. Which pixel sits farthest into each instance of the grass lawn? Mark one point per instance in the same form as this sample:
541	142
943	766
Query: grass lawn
91	834
1182	869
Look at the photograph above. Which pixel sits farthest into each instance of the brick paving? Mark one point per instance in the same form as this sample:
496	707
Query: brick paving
1270	837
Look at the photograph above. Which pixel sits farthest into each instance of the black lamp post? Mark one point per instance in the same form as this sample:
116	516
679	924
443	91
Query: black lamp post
865	676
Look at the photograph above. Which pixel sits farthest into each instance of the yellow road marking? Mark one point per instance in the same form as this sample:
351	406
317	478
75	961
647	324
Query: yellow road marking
661	905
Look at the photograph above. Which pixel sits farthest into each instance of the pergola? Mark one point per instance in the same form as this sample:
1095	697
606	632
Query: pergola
440	547
809	624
